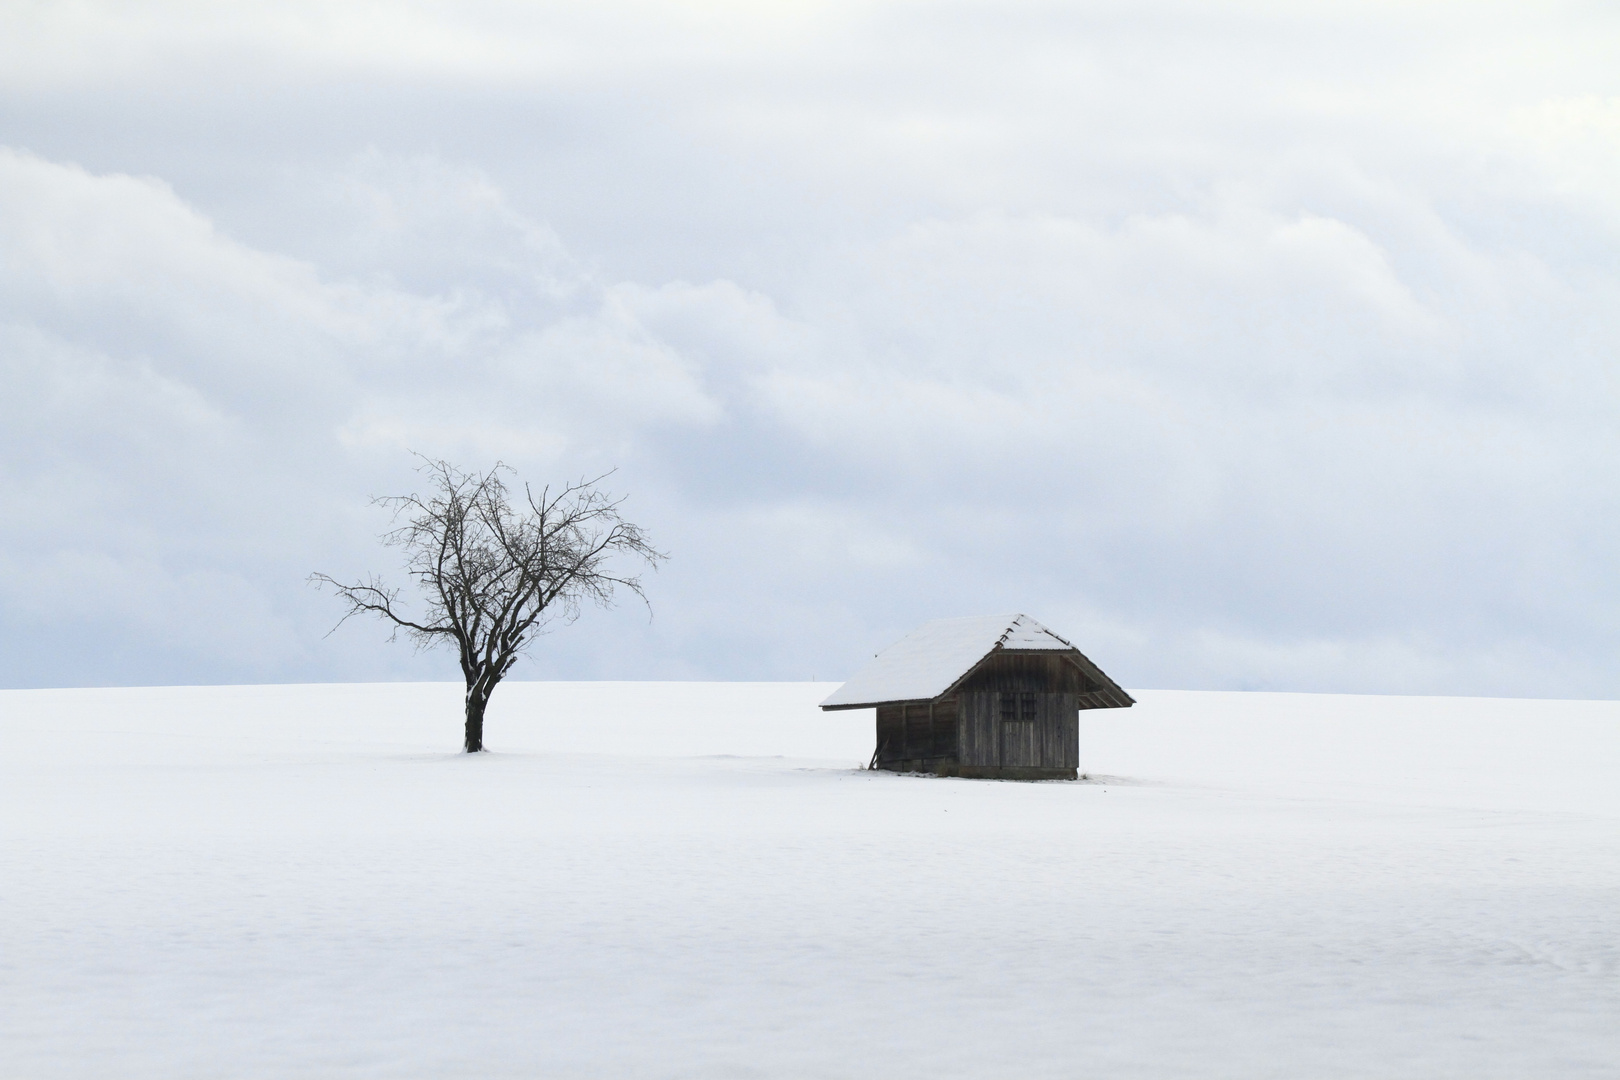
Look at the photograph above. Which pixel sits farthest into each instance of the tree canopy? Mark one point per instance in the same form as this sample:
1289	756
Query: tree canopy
494	572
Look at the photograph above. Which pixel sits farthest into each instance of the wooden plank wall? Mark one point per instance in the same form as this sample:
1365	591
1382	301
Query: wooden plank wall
1021	710
1017	711
980	742
891	733
1020	729
917	732
1042	672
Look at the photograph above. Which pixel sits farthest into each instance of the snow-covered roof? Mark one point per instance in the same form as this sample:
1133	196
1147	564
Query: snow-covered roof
929	660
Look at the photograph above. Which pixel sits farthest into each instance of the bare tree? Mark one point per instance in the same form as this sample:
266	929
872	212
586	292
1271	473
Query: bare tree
494	575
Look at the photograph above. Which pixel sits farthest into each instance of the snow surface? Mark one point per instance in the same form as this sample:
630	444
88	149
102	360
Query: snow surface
306	881
928	661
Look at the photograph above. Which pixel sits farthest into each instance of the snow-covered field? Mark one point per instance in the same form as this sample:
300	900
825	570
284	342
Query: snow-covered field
693	880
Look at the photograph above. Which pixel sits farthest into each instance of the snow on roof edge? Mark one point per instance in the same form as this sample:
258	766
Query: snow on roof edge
932	658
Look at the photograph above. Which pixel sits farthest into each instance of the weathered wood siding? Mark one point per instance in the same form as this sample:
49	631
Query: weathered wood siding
1016	715
1020	729
915	735
891	732
1021	711
1041	672
980	742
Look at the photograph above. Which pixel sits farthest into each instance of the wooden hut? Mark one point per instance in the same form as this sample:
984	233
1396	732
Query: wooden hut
996	696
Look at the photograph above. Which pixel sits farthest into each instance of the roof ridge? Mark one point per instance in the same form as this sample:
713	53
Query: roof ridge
1007	633
1033	625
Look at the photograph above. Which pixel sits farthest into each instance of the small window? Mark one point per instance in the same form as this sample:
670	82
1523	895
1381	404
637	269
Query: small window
1019	708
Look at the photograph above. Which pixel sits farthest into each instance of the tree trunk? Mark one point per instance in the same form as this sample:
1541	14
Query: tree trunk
475	720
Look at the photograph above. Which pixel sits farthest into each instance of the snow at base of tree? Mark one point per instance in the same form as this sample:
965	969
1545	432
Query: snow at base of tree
694	880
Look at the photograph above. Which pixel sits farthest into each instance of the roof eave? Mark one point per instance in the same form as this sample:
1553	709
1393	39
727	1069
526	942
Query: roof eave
1109	686
875	704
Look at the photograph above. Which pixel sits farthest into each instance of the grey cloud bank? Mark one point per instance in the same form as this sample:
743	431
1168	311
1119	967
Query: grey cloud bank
1249	346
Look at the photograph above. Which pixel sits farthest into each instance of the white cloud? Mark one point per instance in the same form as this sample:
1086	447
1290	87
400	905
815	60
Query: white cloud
1270	345
180	406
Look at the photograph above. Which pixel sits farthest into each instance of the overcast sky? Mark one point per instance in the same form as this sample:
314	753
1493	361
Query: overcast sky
1249	345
